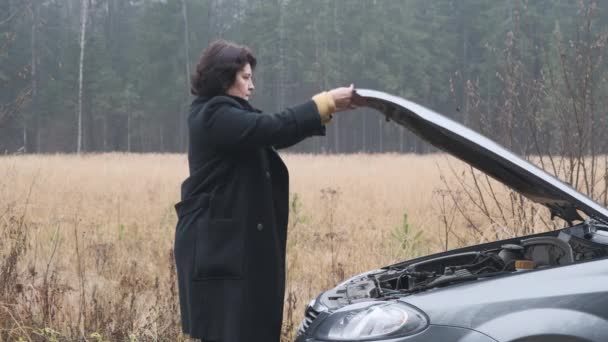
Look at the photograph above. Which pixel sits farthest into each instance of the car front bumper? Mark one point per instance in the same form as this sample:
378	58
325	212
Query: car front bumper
431	333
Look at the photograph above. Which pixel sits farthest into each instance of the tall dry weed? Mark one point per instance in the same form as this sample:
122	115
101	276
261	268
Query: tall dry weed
86	242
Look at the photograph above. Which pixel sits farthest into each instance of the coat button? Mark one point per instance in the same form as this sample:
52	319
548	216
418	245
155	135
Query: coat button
267	174
260	227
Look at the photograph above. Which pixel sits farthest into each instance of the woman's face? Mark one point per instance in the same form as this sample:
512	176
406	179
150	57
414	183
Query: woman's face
243	83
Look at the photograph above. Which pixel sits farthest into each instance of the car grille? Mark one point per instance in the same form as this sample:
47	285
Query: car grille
309	316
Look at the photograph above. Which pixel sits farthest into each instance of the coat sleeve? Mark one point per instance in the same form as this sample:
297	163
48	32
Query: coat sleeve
227	126
298	138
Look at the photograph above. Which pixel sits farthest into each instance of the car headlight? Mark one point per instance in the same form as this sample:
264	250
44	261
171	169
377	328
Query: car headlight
368	321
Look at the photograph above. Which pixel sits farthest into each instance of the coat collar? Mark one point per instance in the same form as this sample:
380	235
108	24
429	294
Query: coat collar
244	103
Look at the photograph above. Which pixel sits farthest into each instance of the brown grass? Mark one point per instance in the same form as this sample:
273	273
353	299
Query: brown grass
85	242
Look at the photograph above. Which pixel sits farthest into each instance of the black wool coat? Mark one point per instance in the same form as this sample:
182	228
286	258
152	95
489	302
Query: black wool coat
232	220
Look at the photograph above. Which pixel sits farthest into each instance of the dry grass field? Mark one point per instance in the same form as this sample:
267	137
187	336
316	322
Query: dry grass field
85	242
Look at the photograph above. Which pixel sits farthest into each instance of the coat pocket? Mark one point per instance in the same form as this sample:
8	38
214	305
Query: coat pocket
219	249
192	204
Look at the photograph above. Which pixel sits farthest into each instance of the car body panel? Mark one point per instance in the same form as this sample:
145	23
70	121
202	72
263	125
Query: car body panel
575	297
487	156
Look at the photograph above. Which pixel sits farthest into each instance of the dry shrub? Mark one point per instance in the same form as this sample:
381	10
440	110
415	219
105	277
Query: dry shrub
86	242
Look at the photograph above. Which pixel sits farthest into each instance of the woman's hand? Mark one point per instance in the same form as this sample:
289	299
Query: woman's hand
343	98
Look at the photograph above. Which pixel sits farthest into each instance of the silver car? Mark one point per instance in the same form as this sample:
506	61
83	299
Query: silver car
551	286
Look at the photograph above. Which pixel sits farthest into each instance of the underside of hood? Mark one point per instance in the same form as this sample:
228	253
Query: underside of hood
487	156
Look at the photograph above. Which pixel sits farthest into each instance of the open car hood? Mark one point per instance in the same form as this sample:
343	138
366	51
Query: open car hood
487	156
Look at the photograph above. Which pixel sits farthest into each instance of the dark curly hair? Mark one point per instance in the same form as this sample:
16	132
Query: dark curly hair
216	70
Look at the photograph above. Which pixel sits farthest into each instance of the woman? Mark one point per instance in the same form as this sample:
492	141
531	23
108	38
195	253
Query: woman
232	227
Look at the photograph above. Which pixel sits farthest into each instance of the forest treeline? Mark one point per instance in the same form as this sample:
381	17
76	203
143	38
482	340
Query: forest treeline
113	75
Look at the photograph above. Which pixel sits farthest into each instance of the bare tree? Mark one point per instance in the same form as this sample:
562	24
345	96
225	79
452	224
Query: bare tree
83	31
570	87
579	82
187	62
34	10
17	98
338	49
282	64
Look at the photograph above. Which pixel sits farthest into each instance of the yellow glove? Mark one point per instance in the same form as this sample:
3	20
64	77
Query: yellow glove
326	106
